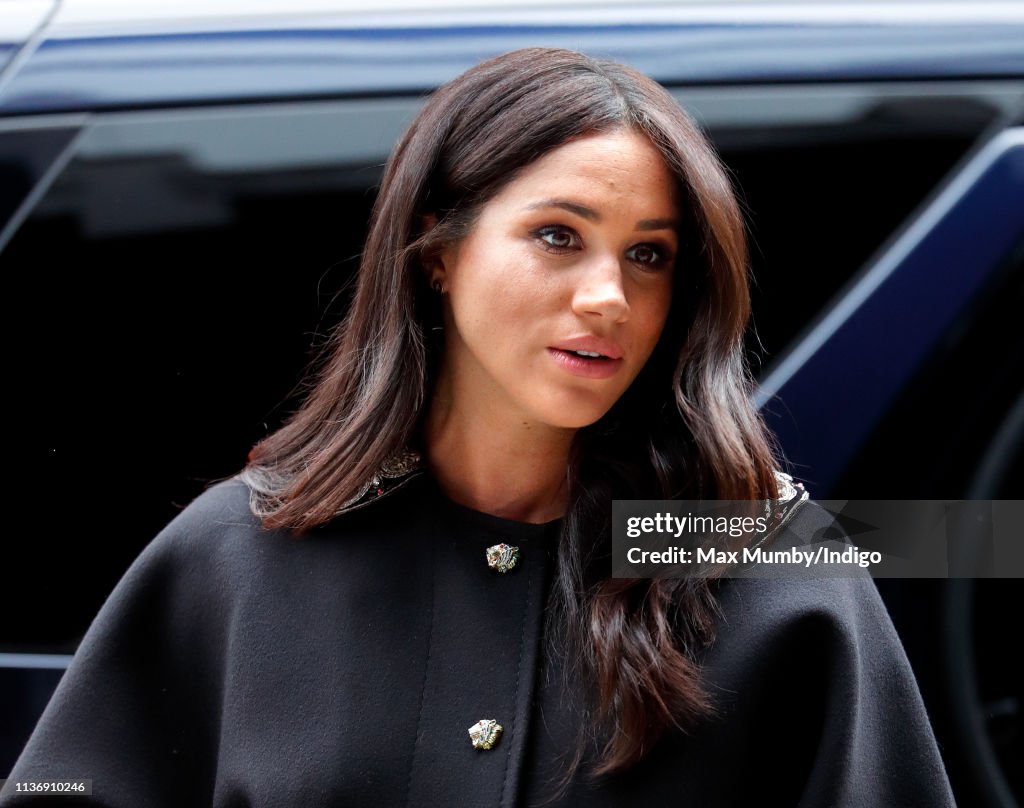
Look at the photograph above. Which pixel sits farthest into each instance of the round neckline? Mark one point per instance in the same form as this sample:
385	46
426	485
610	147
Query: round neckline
481	520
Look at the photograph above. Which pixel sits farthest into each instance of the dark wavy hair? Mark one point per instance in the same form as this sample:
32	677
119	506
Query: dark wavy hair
686	427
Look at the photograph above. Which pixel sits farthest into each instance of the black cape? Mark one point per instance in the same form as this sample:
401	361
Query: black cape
234	666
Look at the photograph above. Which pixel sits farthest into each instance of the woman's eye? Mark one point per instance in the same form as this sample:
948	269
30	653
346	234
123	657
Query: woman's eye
558	237
649	255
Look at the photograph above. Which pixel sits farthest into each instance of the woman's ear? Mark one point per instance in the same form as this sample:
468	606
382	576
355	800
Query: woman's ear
433	263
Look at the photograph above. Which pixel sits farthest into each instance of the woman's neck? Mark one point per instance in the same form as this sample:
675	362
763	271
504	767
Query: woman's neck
510	469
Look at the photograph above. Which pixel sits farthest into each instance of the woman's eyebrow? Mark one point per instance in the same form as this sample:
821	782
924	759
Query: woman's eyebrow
592	215
565	204
657	224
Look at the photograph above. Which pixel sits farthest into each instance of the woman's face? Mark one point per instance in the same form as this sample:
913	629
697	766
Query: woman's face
557	297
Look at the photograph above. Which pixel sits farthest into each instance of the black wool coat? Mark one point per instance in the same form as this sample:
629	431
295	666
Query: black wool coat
236	667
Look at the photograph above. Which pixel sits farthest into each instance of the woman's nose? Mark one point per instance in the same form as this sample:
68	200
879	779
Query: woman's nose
599	291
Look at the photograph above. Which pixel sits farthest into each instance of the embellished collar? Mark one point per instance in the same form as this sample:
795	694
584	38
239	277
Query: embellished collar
407	464
401	467
780	511
788	489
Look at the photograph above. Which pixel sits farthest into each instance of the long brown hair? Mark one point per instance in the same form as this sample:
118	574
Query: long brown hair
685	428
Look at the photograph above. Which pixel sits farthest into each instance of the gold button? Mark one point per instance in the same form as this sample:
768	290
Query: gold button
502	557
485	733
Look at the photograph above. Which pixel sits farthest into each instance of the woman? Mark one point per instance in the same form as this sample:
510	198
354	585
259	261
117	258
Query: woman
405	597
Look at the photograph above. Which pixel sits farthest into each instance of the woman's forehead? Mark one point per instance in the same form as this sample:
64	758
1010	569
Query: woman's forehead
591	175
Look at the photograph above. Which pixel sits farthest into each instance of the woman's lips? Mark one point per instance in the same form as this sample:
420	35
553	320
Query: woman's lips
590	368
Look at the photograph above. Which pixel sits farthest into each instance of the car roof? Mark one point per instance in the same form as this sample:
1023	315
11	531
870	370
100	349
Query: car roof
107	54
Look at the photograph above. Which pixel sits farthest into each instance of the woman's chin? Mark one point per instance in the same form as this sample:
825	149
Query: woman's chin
572	415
